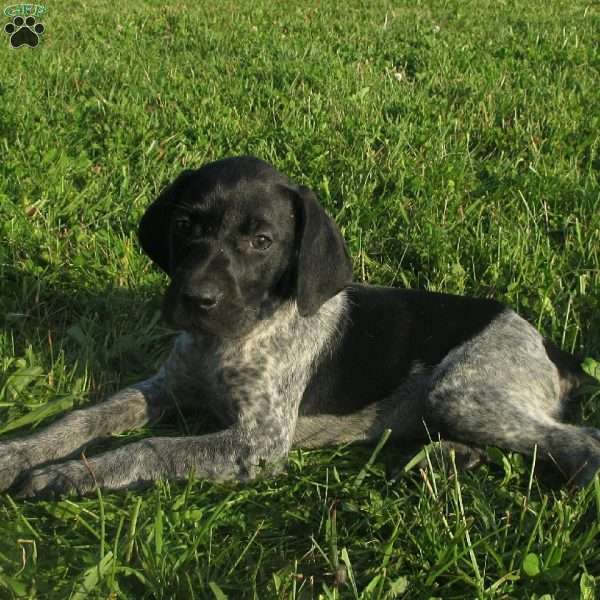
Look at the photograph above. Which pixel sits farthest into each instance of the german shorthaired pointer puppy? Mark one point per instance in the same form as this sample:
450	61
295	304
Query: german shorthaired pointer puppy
283	349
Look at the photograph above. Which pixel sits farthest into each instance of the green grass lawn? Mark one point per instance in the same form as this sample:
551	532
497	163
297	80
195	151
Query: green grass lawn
457	145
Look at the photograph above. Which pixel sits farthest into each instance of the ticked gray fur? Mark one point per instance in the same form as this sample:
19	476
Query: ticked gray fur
497	386
254	385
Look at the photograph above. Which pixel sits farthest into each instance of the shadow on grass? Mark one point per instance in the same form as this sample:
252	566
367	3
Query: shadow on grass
62	339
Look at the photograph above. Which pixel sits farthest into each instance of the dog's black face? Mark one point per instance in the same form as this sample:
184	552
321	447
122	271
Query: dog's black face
231	248
237	239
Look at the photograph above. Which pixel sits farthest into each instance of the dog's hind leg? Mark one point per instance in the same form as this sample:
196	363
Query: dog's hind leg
502	389
401	412
321	430
370	423
130	408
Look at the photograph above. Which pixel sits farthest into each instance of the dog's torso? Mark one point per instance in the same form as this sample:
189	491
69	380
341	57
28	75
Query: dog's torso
386	336
368	351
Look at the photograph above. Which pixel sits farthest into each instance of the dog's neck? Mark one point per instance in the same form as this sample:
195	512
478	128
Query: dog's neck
277	358
287	338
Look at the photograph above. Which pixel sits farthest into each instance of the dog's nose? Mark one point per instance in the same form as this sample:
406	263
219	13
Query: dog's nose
205	296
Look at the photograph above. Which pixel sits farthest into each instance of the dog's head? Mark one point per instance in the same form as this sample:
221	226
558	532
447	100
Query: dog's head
237	239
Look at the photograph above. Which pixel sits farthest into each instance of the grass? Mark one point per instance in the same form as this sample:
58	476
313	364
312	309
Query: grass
455	142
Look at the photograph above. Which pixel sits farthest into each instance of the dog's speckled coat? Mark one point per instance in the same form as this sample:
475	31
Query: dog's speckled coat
285	351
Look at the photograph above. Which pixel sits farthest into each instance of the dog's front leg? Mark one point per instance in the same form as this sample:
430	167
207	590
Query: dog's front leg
236	453
130	408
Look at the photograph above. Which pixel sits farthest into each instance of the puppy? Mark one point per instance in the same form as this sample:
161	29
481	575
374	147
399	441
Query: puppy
283	350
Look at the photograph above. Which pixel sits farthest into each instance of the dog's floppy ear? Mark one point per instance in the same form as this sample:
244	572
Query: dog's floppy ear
324	267
153	231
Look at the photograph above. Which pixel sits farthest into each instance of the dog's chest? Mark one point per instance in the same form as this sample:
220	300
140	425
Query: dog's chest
265	372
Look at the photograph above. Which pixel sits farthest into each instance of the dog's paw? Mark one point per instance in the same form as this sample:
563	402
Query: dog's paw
56	481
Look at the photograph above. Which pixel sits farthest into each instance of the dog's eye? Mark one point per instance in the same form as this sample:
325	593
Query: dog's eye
260	242
183	226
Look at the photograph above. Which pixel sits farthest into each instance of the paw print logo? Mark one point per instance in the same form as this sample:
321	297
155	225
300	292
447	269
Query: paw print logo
24	32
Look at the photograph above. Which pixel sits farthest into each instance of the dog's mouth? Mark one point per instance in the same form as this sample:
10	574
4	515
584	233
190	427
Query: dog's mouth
225	320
